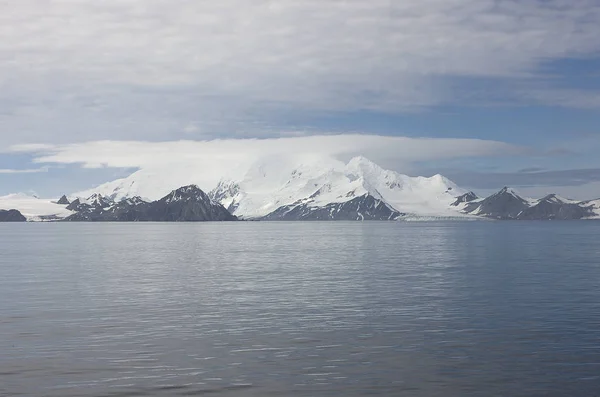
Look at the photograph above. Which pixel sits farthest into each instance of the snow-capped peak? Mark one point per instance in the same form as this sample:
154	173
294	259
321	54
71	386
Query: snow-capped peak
187	193
97	200
319	184
362	165
556	199
515	194
135	200
276	181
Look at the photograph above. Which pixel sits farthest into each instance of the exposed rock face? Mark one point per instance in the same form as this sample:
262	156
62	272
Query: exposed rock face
63	201
226	193
363	208
465	198
124	211
552	207
506	204
11	216
75	205
186	204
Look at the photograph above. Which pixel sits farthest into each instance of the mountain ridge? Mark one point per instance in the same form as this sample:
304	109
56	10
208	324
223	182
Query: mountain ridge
185	204
307	188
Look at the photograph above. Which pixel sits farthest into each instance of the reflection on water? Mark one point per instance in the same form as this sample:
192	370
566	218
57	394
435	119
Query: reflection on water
311	309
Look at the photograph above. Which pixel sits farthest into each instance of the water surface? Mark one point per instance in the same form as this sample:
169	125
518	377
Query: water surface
300	309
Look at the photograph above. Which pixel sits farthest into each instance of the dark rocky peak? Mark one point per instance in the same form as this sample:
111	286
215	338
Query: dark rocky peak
505	204
133	201
11	216
508	192
553	207
76	205
465	198
361	208
186	193
63	201
554	199
188	203
96	200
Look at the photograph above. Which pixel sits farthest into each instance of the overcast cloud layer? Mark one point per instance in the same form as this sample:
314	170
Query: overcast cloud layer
82	76
74	70
219	158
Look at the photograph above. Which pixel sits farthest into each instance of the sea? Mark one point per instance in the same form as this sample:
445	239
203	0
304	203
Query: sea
300	309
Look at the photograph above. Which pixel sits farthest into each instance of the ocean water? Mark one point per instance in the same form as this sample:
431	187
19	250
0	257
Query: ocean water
300	309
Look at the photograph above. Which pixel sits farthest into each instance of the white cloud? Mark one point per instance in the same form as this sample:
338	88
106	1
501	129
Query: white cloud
79	70
24	171
217	158
292	50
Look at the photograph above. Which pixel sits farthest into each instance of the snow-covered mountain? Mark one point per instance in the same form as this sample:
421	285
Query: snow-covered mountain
323	188
186	204
300	186
264	192
508	204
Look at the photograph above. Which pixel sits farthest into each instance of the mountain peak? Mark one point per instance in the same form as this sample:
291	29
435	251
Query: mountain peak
465	198
187	193
98	200
63	200
361	162
189	189
510	191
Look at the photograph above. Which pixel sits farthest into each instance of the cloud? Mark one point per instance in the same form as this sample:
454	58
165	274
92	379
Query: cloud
217	158
586	191
525	178
254	46
143	68
24	171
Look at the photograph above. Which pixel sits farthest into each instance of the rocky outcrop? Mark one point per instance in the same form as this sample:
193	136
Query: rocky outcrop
11	216
465	198
552	207
363	208
506	204
63	201
186	204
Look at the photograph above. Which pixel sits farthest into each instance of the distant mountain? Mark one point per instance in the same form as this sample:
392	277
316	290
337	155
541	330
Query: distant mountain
363	208
507	204
63	201
554	207
465	198
11	216
333	190
315	188
186	204
303	188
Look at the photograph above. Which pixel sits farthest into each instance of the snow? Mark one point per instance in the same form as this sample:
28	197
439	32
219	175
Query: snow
319	183
595	204
33	208
259	188
150	184
554	198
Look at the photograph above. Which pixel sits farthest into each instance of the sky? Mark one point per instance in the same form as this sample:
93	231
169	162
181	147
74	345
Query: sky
486	92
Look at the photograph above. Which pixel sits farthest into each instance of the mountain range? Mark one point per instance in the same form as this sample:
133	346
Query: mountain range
311	189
